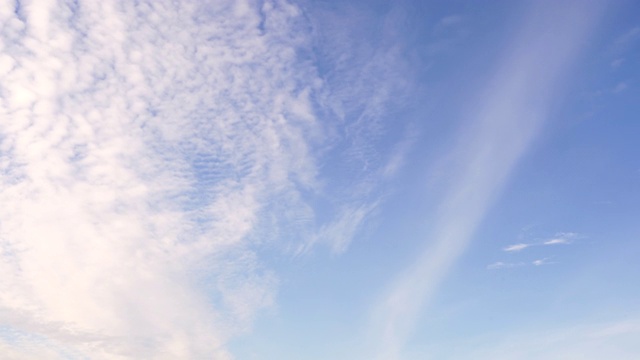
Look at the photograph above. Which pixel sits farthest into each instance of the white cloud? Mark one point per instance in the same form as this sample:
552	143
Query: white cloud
556	241
338	233
516	247
141	145
561	238
514	106
540	262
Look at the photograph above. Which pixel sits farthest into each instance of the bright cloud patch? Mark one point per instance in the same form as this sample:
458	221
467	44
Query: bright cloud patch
516	247
562	238
556	241
540	262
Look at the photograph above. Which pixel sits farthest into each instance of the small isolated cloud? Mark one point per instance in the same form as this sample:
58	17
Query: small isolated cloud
503	265
561	238
540	262
516	247
557	241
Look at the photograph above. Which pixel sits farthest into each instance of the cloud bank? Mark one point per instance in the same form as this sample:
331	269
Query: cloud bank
140	143
149	149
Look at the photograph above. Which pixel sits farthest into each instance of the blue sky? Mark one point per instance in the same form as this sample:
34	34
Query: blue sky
389	180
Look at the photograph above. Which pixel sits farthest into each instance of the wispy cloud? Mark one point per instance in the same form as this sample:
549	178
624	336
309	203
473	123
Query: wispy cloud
540	262
556	241
368	76
559	238
339	232
514	105
498	265
516	247
562	238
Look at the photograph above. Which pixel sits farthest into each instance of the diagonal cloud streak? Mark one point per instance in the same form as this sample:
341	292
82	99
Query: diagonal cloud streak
513	107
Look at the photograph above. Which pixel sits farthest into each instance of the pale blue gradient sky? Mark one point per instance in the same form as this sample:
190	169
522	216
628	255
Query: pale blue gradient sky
319	180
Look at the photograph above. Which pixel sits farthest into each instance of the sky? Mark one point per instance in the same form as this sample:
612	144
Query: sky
319	179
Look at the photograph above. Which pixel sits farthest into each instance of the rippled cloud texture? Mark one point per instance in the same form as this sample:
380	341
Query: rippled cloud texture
141	145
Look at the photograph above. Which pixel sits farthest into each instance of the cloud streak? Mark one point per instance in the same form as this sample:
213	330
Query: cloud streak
365	76
502	265
516	247
556	241
559	239
513	107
